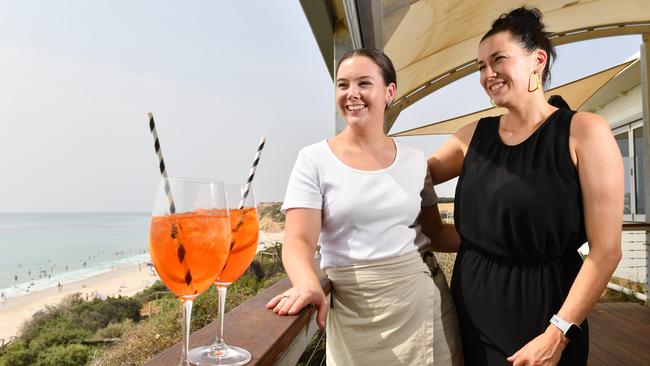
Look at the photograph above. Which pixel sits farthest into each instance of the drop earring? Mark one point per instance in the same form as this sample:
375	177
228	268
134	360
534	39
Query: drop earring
537	81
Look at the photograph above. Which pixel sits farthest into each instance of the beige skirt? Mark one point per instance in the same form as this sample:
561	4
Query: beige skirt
391	312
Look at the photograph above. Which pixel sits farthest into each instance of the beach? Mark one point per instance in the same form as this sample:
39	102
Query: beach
125	281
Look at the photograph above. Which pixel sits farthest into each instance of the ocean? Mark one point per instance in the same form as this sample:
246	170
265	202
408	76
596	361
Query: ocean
41	250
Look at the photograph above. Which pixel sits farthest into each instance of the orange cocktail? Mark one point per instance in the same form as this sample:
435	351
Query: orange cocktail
243	246
245	232
189	249
189	239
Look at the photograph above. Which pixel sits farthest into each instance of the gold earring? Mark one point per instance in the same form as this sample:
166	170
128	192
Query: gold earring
493	104
538	81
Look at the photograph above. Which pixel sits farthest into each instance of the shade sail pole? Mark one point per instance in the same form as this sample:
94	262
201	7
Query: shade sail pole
645	101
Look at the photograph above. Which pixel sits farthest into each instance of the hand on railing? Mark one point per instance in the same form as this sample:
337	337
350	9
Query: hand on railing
294	299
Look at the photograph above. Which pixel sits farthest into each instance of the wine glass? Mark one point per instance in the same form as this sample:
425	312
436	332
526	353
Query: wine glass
189	239
243	246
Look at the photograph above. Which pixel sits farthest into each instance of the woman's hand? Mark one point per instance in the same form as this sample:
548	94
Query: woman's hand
295	299
545	350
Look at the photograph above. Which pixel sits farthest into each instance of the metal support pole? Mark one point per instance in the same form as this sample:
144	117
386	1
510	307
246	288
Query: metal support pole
645	100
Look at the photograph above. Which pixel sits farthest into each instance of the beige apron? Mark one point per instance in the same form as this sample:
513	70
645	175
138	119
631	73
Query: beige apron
389	312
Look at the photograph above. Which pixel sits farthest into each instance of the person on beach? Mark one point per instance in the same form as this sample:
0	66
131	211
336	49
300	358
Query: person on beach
361	192
534	185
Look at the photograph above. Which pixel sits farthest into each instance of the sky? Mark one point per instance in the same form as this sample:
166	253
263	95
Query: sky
77	79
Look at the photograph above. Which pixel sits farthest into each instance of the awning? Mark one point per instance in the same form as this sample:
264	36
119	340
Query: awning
434	42
575	93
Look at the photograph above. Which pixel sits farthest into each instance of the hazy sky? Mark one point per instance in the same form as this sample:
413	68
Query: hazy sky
78	77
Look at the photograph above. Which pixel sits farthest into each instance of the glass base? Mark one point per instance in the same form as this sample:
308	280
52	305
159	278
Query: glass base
224	356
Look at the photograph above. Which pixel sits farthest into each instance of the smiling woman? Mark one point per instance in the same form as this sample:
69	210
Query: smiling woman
534	185
359	194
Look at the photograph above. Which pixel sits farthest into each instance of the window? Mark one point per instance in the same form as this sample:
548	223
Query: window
632	145
624	145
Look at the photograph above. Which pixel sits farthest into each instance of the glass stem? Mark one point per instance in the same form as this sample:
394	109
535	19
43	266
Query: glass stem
219	344
187	318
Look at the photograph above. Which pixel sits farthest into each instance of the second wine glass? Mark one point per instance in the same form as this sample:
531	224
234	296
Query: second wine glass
243	246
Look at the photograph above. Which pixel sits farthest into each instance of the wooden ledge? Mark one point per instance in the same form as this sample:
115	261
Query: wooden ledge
253	327
630	226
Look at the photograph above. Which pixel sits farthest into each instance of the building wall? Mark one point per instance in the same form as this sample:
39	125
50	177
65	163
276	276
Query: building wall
634	244
633	265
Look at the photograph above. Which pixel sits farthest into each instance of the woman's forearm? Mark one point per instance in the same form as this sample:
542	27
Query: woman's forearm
448	240
588	286
444	237
298	261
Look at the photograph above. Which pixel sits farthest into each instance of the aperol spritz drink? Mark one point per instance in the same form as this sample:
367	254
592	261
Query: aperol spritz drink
189	239
243	246
245	234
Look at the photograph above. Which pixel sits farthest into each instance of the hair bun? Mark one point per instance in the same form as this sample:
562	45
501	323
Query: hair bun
524	12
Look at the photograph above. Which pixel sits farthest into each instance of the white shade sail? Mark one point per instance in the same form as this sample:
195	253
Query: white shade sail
434	42
575	94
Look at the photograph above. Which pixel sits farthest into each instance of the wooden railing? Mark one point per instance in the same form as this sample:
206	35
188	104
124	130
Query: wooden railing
271	339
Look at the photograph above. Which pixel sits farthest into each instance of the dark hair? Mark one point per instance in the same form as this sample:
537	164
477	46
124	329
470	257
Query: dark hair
379	58
558	101
525	25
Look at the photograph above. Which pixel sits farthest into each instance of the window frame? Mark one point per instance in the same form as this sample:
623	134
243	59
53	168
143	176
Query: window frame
633	126
628	129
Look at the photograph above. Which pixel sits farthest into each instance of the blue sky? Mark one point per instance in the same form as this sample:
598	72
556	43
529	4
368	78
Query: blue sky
78	77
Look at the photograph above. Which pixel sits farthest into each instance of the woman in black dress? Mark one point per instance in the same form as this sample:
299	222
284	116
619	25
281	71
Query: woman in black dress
535	184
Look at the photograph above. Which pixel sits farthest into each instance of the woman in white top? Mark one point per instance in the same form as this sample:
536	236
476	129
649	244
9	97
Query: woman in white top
361	192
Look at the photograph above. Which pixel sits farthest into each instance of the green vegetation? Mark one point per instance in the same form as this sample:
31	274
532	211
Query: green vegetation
112	332
56	336
163	328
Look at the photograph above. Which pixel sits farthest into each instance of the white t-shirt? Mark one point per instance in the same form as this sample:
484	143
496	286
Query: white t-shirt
366	215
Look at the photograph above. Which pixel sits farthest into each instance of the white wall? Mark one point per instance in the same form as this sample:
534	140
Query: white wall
633	264
634	244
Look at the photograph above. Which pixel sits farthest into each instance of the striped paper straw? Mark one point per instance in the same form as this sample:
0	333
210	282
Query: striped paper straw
247	187
163	171
180	249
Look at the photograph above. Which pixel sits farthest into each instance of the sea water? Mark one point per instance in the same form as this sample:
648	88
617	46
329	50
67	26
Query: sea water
39	251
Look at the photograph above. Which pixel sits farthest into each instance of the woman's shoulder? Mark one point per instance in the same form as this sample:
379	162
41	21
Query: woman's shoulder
407	149
585	125
408	154
465	133
315	150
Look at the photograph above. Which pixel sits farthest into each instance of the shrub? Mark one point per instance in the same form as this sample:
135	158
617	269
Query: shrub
57	331
30	328
72	355
17	354
149	338
98	314
53	336
163	328
114	330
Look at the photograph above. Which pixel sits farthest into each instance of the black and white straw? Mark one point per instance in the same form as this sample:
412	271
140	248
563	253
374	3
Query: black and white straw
163	171
247	187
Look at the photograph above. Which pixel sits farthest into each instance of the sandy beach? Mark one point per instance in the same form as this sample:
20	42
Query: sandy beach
126	281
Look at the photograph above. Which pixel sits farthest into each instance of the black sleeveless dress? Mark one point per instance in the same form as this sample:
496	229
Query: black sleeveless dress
519	213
